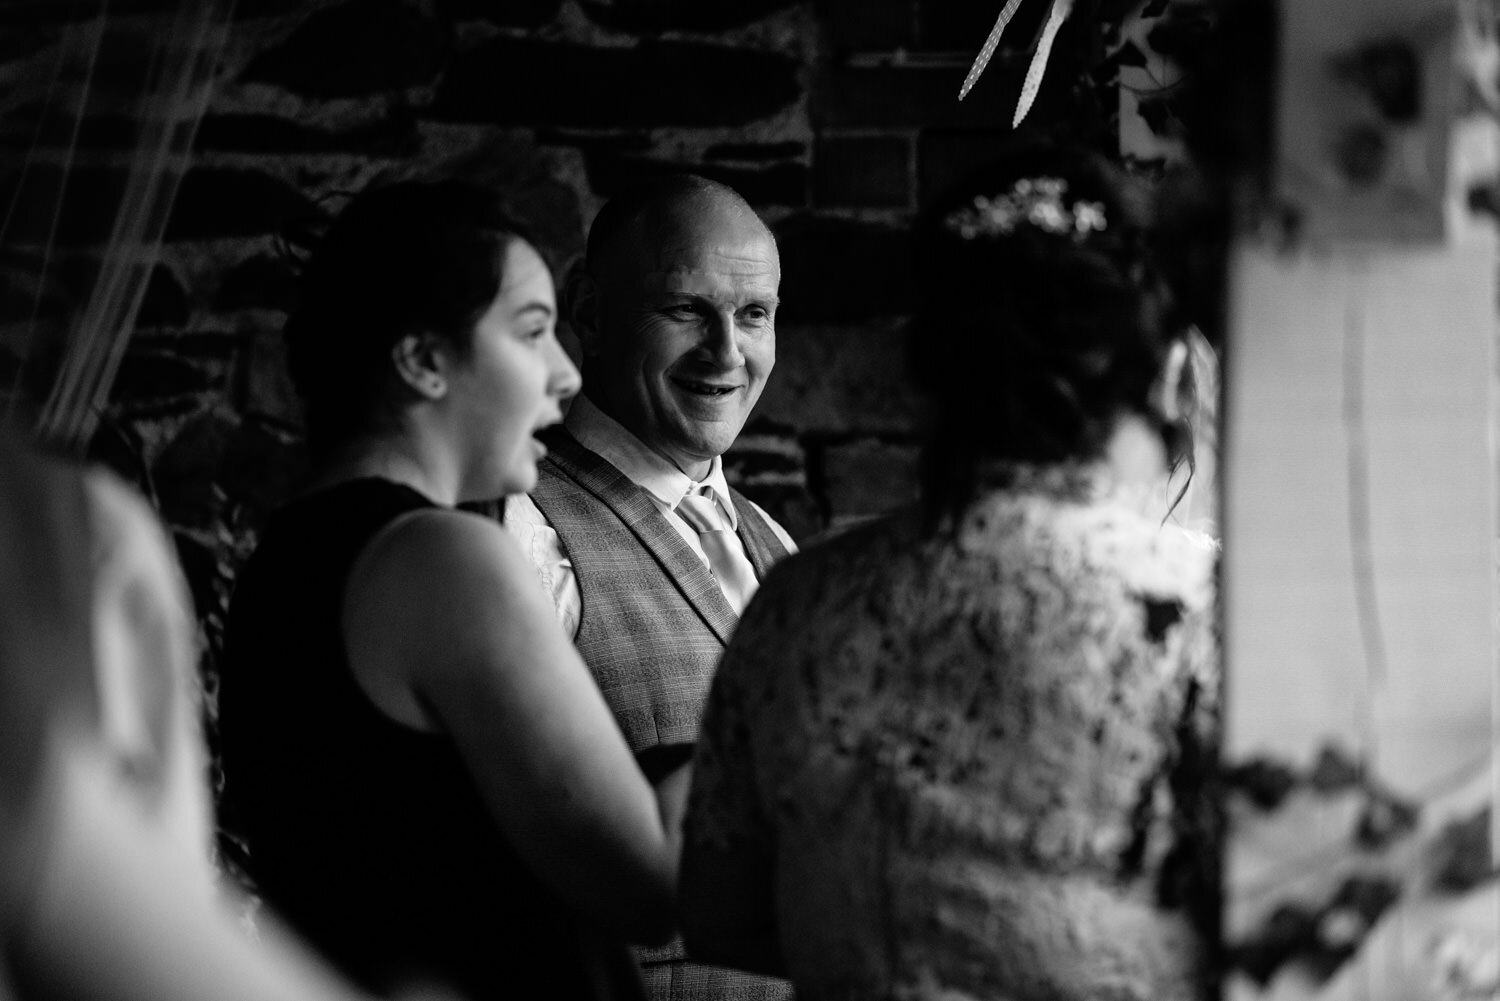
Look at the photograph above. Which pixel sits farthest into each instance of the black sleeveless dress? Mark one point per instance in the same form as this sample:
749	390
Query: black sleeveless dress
368	836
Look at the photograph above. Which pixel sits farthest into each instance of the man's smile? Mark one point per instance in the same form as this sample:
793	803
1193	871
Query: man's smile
699	387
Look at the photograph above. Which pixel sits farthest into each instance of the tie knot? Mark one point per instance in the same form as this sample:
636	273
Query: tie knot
699	509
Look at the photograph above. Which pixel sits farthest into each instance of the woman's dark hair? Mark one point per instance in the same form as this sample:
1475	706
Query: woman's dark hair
1032	337
406	258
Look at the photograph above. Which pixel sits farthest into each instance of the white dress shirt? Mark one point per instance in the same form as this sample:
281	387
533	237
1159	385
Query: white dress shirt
663	482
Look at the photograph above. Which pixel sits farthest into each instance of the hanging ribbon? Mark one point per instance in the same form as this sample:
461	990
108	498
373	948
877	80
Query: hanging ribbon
987	51
178	80
1059	13
1055	18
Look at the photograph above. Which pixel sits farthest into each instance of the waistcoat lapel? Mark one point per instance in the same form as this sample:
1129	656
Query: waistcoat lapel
639	513
760	542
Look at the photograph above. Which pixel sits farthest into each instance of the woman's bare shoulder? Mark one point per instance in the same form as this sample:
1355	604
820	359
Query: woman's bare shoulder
436	589
433	553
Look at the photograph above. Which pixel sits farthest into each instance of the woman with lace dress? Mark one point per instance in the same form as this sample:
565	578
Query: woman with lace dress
961	752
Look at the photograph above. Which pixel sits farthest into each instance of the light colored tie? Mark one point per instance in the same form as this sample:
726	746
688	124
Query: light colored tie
726	557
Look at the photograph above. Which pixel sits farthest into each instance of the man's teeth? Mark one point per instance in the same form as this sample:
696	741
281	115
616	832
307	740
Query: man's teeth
704	388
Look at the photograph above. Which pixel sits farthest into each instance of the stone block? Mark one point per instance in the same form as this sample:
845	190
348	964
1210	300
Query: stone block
53	14
870	476
11	363
791	505
355	49
963	27
81	202
912	96
862	25
19	42
261	282
765	453
165	303
775	184
653	84
268	388
863	171
944	156
119	53
167	376
767	464
511	14
31	125
836	269
32	289
262	466
218	202
62	13
246	10
756	152
648	17
841	380
186	469
394	135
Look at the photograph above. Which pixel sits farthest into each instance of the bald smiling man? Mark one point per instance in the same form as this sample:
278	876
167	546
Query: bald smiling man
648	553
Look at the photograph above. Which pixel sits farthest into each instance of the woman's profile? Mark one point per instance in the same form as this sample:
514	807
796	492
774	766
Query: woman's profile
960	752
429	782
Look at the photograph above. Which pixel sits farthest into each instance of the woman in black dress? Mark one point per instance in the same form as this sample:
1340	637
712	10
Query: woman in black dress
431	787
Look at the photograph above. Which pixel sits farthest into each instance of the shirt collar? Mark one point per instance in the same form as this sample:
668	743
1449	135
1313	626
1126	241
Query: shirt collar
653	473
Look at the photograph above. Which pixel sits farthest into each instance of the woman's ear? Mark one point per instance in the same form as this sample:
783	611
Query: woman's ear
419	364
1168	395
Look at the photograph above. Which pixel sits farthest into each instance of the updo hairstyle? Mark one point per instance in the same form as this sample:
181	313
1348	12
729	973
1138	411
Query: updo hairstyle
1041	318
406	258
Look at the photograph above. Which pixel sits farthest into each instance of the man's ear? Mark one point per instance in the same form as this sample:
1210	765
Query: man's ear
581	295
419	364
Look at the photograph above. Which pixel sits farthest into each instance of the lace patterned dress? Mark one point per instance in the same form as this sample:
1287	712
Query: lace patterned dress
973	761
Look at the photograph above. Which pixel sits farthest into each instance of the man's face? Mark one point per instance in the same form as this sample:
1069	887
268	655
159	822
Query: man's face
686	332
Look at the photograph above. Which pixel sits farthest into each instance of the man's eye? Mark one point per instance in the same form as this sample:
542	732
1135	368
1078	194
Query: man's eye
756	314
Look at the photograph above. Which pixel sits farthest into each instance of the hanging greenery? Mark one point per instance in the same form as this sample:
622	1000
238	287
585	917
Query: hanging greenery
1104	19
1055	18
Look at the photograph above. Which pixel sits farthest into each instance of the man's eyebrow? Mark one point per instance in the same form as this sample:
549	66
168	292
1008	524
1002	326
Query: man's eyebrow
768	299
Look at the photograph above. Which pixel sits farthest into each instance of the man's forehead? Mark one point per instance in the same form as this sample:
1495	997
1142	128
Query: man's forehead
747	258
694	238
736	260
703	218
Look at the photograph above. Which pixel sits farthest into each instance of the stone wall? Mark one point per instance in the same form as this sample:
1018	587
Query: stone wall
835	119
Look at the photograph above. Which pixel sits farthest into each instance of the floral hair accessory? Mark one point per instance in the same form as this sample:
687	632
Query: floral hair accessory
1031	201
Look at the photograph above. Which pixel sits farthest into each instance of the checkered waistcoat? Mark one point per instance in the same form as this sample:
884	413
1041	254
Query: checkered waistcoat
653	626
654	622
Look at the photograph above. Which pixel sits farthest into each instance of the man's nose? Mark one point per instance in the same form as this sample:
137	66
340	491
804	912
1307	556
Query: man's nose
563	380
724	341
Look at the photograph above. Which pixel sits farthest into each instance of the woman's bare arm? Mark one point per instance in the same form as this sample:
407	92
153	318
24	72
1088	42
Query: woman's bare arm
123	904
121	913
445	607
